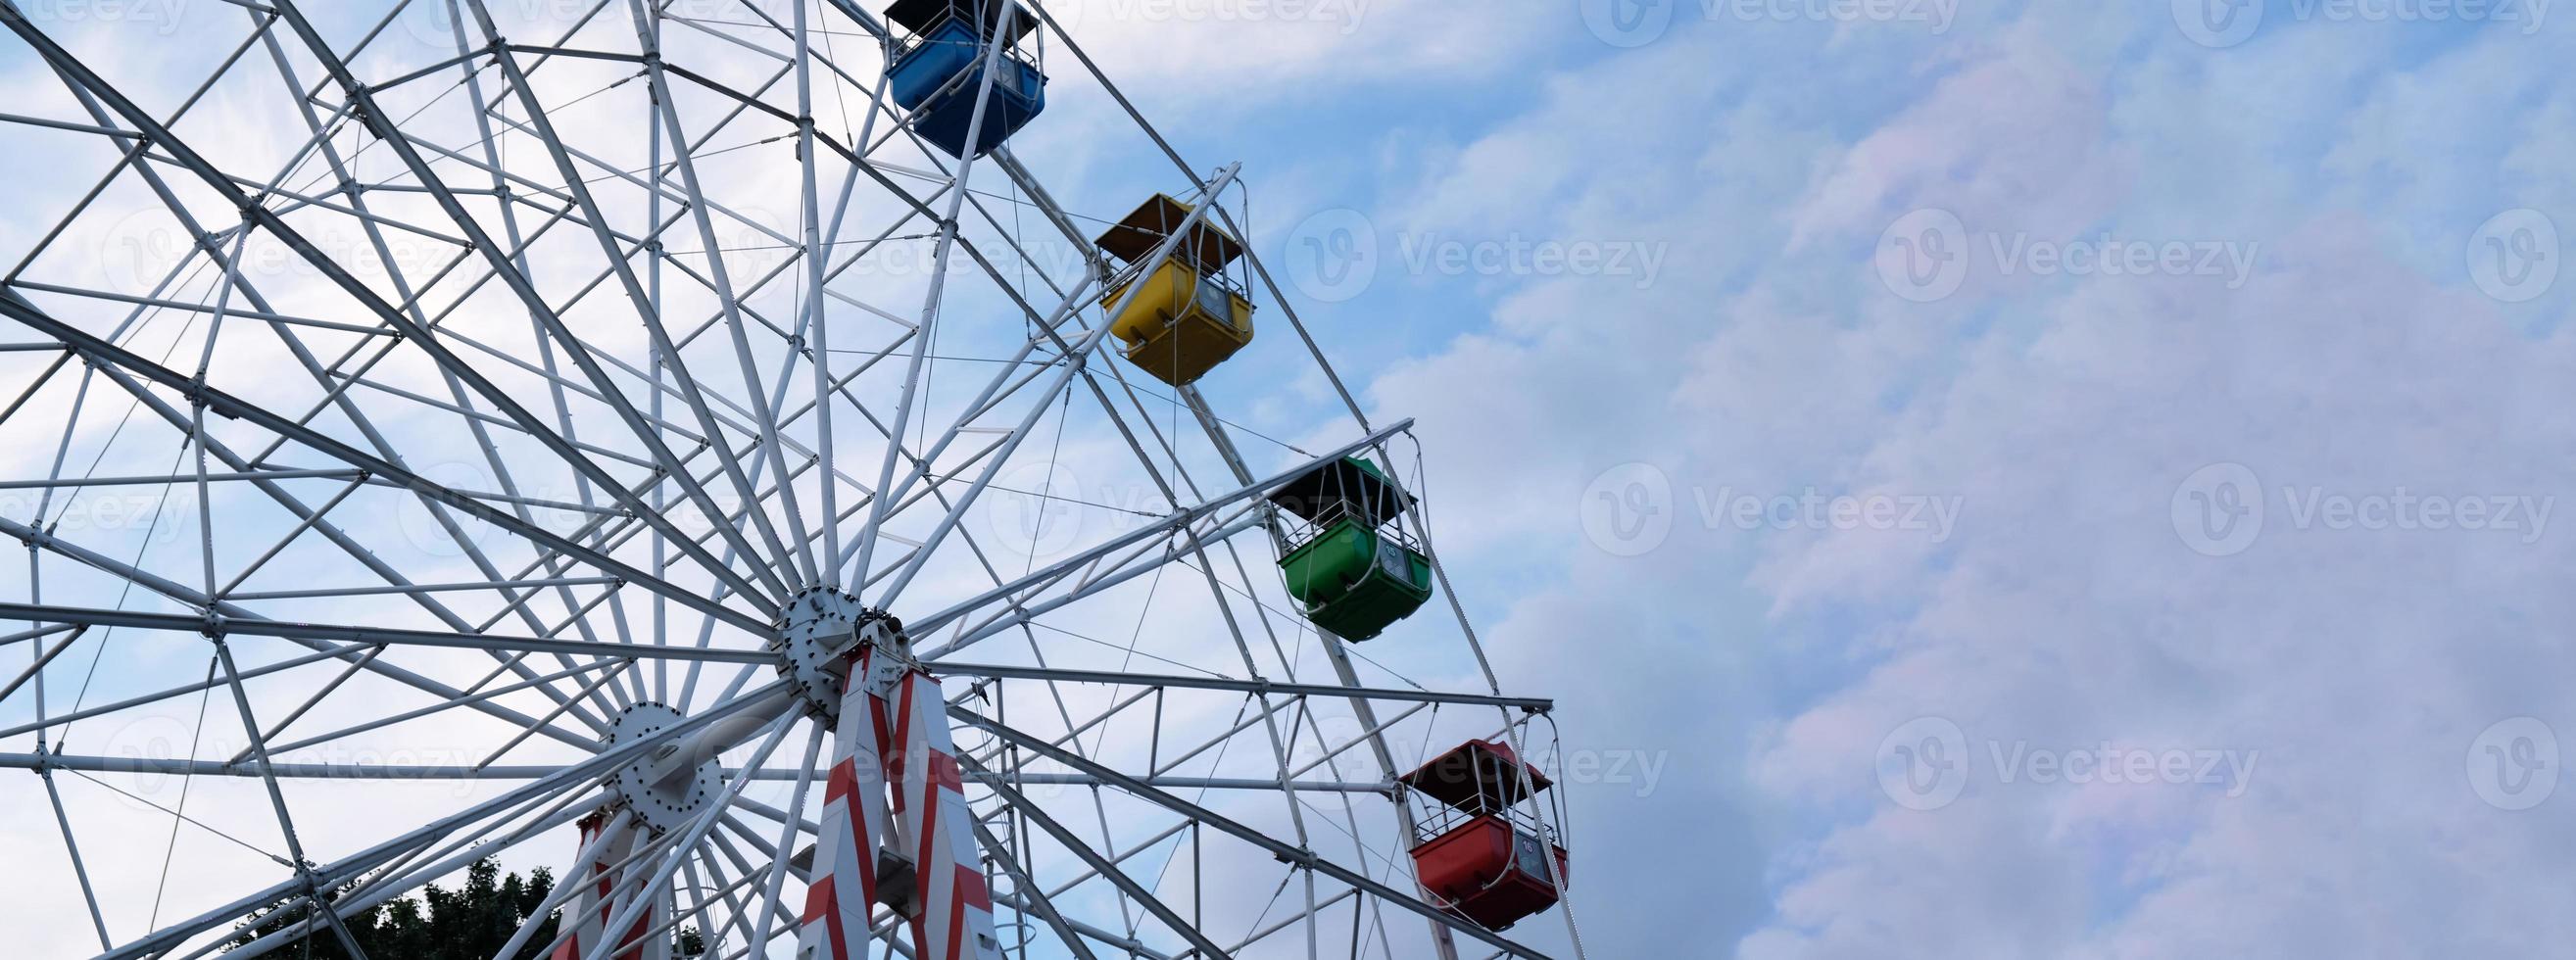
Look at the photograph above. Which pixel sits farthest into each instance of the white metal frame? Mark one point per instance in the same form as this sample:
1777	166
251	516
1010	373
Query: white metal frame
624	385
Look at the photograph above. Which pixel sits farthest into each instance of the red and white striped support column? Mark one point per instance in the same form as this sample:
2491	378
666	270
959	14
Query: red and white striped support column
844	887
893	740
591	905
956	918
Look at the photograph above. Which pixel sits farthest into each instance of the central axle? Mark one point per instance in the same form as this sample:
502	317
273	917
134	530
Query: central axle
817	631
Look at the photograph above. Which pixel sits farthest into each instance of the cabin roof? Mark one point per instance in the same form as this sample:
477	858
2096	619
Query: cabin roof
920	15
1134	235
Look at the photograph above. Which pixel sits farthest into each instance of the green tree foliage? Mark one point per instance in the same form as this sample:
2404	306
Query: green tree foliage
471	922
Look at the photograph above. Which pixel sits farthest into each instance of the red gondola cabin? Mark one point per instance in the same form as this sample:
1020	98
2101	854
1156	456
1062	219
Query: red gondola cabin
1483	858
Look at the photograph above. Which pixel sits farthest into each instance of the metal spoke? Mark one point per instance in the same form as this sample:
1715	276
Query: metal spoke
486	336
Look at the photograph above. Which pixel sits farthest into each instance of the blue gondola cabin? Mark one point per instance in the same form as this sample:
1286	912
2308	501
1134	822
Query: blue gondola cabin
938	71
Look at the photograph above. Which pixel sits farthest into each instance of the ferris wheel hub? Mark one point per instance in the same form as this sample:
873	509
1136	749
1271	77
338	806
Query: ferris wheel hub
818	628
662	796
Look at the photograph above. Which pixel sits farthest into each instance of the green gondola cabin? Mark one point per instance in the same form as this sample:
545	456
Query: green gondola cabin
1352	563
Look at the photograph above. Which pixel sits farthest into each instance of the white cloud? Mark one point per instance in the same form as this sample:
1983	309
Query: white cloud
2067	612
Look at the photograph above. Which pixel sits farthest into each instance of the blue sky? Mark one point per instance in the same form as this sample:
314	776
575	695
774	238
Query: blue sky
1823	400
2334	177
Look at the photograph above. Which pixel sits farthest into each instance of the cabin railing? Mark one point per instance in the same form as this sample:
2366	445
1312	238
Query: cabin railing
913	41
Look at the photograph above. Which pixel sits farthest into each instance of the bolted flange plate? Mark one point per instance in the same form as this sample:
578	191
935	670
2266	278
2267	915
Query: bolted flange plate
817	629
661	807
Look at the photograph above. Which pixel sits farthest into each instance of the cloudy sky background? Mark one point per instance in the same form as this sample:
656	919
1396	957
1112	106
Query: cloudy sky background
2375	348
1828	478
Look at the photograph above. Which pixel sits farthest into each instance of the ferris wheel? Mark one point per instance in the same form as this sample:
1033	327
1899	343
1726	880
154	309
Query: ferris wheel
681	445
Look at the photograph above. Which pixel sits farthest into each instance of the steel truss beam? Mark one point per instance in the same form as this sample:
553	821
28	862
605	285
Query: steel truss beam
420	336
752	549
19	309
1263	687
220	625
1175	522
1284	852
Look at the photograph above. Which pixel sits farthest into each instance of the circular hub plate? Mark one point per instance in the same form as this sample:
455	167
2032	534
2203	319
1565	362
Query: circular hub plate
814	644
662	807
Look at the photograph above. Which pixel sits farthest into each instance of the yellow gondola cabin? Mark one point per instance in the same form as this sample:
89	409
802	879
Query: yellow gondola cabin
1188	316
